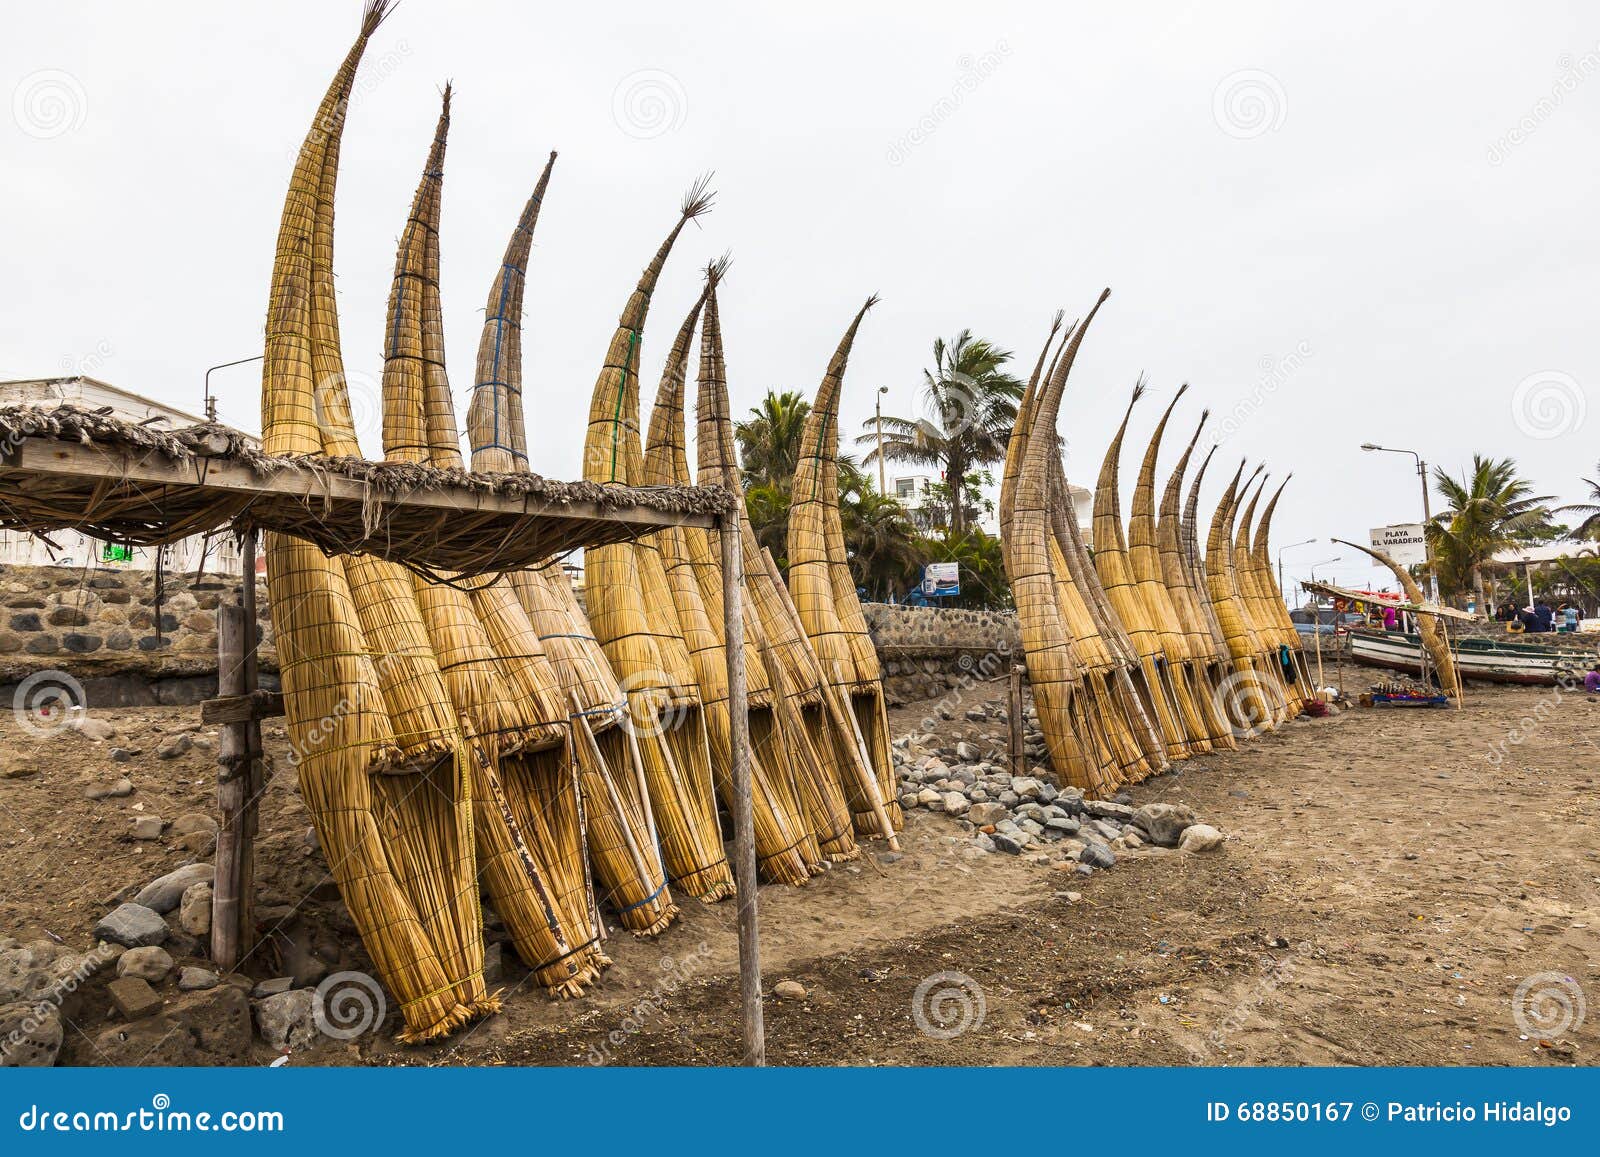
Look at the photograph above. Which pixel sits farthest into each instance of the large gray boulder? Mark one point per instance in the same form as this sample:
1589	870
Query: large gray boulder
30	1034
132	925
166	892
286	1021
1164	822
1200	838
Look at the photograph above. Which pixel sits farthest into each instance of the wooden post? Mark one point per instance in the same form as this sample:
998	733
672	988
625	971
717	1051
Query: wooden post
1019	761
252	732
744	826
239	775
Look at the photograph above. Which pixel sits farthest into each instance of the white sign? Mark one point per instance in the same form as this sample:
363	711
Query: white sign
1404	543
941	578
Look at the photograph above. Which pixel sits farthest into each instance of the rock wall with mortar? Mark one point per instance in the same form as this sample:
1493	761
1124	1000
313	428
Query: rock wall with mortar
114	628
927	650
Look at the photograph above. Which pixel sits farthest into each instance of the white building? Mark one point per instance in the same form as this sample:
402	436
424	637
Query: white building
911	490
218	555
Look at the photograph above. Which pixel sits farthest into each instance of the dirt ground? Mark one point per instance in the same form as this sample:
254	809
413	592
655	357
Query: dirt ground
1390	879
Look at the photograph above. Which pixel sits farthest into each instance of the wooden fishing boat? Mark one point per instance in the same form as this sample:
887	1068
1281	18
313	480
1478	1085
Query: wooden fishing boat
1489	659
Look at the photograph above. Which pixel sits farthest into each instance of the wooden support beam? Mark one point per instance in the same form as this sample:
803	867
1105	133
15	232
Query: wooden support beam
744	826
49	456
239	708
1019	756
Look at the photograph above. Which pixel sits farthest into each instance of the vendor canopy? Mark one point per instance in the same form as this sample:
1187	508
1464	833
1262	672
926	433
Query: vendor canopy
1386	599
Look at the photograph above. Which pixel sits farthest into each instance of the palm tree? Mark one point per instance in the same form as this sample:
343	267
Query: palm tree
768	507
883	547
970	404
769	440
1488	509
1589	528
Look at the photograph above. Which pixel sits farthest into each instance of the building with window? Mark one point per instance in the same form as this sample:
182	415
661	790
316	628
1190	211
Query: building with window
213	554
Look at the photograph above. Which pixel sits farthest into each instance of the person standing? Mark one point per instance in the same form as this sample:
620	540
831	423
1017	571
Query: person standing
1543	615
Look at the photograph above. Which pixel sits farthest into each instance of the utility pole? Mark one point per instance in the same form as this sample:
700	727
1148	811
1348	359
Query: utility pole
883	486
1427	514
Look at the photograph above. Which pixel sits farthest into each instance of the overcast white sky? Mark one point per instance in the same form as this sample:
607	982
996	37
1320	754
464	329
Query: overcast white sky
1370	222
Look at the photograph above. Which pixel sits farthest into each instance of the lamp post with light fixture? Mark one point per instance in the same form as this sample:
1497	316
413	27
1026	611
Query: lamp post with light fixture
1427	515
1291	546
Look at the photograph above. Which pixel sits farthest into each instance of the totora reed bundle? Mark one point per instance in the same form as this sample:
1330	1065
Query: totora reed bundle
788	847
1184	664
631	608
1207	647
529	817
535	614
691	565
1173	711
1054	671
824	598
1123	739
1283	629
392	805
1247	693
1275	655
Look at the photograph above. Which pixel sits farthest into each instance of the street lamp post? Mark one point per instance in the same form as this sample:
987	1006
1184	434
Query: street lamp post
883	485
1427	514
1281	550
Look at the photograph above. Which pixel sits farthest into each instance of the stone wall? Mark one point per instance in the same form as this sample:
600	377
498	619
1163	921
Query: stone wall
108	628
926	650
104	628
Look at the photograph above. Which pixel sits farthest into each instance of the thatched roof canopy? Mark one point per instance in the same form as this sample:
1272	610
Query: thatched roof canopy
69	468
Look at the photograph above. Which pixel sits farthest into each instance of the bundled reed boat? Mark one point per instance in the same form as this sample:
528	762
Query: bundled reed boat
1159	646
387	784
1208	649
615	817
781	739
530	824
631	608
856	724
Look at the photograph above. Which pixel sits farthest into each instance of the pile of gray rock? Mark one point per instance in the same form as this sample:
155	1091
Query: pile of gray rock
1028	815
145	994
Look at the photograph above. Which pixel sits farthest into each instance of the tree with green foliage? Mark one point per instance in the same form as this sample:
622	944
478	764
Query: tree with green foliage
1488	509
969	403
769	439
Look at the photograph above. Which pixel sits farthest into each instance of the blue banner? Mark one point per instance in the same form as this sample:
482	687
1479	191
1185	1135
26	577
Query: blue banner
807	1112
